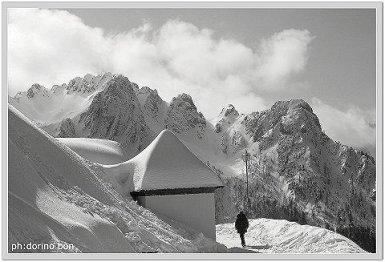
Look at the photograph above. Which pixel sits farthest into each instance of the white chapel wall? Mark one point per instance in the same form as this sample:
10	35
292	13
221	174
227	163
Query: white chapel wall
195	210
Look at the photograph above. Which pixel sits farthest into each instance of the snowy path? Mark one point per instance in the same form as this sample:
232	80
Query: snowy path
281	236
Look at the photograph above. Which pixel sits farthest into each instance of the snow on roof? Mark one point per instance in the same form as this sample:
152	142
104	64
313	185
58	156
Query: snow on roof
168	164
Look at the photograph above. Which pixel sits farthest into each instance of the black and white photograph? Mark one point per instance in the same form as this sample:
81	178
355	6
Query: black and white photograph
228	131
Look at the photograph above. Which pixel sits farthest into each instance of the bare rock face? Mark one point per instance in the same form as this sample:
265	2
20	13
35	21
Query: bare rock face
183	116
115	114
153	108
153	104
67	128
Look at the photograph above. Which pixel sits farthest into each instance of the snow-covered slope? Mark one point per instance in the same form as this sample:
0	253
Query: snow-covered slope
47	106
100	151
55	196
281	236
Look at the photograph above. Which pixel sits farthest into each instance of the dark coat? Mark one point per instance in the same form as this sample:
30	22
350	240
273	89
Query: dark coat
241	224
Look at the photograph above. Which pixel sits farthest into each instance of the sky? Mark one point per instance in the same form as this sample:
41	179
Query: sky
250	58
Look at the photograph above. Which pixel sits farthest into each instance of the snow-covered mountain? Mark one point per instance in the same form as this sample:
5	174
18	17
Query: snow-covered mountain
296	171
47	106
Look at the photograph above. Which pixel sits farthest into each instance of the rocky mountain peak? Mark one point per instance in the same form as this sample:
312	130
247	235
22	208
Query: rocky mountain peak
119	87
183	116
145	93
88	84
284	117
226	118
229	110
146	89
292	104
115	114
184	100
299	116
88	77
37	89
58	88
117	97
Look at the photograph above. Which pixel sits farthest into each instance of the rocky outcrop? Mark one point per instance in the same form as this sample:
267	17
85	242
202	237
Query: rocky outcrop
115	114
183	116
153	108
67	128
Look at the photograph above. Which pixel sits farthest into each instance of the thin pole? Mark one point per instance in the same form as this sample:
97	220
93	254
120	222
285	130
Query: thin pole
246	159
247	187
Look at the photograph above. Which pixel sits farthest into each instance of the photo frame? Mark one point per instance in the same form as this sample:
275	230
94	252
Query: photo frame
144	194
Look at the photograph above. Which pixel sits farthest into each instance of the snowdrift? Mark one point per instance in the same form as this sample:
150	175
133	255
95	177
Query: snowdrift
55	196
102	151
282	236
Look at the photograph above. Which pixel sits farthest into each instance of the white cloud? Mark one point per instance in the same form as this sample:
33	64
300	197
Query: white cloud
354	127
282	55
51	47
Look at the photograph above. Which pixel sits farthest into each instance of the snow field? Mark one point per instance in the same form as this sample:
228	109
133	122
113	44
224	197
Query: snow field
282	236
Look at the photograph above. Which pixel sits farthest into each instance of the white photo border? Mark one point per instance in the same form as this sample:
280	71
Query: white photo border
378	6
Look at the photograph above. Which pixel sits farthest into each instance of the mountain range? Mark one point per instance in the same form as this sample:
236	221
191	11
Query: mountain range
295	172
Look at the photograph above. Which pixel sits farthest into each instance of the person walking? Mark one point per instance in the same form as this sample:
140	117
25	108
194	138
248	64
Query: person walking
241	225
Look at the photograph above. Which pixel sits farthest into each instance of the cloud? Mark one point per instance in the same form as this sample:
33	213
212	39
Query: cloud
282	55
354	127
51	47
